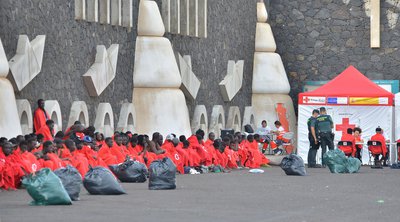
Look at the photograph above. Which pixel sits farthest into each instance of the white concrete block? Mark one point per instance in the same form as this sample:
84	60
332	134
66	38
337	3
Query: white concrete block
116	18
262	14
25	116
127	16
78	112
149	20
200	119
265	41
190	83
249	118
234	120
103	70
264	106
161	110
52	107
92	13
27	62
127	118
80	9
104	121
217	121
155	64
104	11
269	75
4	68
232	82
9	118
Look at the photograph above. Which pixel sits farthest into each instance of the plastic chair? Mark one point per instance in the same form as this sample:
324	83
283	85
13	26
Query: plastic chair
371	145
344	144
288	139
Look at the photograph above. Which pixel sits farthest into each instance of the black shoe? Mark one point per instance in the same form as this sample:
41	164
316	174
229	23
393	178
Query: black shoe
315	166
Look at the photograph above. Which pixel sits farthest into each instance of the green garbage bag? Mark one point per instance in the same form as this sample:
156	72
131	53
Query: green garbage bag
353	165
336	161
46	188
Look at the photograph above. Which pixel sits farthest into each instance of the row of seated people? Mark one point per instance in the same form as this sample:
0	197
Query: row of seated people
83	148
376	145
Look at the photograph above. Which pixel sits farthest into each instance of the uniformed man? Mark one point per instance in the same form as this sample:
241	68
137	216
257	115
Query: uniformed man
325	126
312	138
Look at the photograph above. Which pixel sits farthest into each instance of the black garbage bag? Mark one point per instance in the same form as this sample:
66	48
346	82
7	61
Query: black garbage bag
130	171
71	180
336	161
293	165
46	188
353	165
100	181
162	175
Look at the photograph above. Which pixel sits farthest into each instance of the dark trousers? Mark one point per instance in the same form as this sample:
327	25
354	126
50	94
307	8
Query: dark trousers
326	139
312	152
358	153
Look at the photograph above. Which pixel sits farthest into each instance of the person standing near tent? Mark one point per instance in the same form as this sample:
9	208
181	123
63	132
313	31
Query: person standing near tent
325	126
312	138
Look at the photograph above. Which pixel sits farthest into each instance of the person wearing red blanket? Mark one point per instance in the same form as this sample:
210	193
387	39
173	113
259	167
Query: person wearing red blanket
10	171
84	148
377	151
134	149
105	152
154	147
49	158
78	160
220	158
256	159
118	150
40	116
348	137
47	131
28	160
169	146
210	140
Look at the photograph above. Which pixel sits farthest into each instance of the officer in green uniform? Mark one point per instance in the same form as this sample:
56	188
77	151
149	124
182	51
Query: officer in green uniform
325	126
312	138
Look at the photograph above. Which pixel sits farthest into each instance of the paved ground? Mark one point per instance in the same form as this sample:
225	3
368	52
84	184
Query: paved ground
370	195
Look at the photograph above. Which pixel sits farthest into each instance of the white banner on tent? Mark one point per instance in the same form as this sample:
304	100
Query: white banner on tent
368	118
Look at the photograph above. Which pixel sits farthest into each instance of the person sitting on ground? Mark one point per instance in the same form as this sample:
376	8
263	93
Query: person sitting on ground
47	131
10	171
348	137
210	140
378	151
106	154
49	158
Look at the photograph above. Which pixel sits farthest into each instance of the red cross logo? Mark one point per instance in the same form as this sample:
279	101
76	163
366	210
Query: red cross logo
345	125
305	99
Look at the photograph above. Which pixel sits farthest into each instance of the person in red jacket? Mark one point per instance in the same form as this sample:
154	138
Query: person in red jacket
40	116
348	137
47	131
377	151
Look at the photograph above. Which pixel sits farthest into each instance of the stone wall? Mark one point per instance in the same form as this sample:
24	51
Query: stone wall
70	50
318	39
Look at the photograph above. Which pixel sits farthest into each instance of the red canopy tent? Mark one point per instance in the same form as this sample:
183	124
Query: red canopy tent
352	100
350	87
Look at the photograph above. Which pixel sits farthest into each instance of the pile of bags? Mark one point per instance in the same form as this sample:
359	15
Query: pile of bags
63	186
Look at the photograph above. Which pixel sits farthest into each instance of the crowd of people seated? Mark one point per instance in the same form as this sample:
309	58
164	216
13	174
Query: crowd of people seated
84	147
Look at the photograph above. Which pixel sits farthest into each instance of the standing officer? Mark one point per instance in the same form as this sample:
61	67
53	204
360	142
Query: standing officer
325	126
312	138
